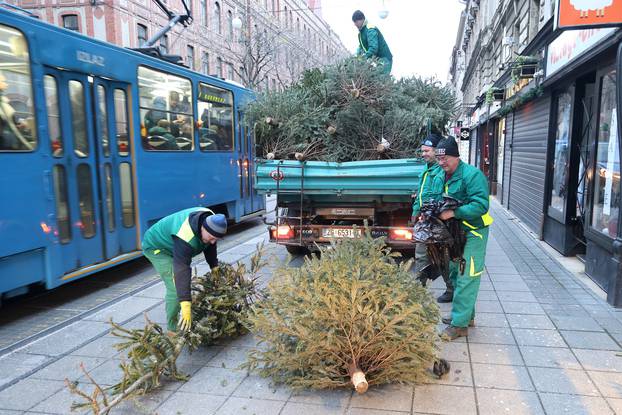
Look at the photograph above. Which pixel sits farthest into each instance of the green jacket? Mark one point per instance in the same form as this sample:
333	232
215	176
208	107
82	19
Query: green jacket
372	43
425	191
469	185
178	235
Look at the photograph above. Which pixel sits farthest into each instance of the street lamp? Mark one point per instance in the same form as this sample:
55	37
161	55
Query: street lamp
384	12
236	23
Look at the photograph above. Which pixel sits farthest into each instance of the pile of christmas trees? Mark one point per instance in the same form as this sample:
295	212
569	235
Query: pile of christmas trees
349	111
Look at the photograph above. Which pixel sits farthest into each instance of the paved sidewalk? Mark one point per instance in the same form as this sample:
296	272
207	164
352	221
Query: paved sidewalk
543	343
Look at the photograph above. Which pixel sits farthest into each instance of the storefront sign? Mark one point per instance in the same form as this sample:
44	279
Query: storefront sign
465	134
570	45
588	13
611	156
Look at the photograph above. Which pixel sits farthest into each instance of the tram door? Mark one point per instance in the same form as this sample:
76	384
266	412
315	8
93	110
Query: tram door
92	172
247	166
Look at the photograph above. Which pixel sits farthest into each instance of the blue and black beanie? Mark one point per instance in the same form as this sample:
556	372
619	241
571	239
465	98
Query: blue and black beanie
432	140
216	225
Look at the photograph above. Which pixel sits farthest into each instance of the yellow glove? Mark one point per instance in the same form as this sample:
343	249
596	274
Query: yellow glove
186	316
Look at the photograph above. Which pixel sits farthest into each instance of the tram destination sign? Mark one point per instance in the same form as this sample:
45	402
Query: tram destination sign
577	14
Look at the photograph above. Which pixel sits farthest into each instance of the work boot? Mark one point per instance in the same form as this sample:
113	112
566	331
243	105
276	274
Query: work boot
454	332
447	320
446	297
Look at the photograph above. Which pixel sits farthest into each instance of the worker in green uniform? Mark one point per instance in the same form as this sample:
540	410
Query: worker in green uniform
423	269
371	42
170	245
469	185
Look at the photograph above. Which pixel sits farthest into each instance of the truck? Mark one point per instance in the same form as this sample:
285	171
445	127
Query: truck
318	202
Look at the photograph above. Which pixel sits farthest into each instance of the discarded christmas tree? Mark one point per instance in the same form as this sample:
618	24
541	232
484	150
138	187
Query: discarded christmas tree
221	302
352	317
222	299
349	111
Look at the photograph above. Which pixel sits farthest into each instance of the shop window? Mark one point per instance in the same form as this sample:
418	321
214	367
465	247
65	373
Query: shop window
50	88
17	120
561	157
165	111
78	119
606	195
216	118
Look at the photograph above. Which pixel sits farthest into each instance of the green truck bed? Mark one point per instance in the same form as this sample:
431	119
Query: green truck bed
395	178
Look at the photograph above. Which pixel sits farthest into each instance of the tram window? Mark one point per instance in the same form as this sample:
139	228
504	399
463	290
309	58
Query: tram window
78	118
165	111
127	196
102	119
120	116
62	206
109	197
17	120
215	118
85	195
51	103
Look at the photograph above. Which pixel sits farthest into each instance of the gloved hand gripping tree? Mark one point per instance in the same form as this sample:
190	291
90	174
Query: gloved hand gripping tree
354	317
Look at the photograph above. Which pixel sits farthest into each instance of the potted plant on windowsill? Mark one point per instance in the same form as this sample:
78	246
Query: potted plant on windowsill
524	67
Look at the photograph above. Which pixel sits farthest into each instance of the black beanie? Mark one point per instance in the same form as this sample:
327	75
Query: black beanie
358	15
447	147
432	140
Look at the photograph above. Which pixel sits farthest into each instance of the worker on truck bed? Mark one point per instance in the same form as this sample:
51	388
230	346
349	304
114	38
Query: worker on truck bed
371	42
170	245
423	269
469	185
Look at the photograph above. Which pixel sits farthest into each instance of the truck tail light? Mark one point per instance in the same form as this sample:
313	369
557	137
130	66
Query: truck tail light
402	234
282	232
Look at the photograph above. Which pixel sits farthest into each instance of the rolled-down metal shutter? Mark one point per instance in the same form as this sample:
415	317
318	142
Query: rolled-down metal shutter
473	146
528	162
507	157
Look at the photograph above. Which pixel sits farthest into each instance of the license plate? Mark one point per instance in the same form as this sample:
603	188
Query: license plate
341	233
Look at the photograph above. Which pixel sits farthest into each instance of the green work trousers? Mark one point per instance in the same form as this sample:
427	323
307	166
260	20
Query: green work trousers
466	284
163	263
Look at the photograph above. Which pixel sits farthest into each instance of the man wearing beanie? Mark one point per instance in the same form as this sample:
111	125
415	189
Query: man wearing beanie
371	42
469	185
170	245
423	268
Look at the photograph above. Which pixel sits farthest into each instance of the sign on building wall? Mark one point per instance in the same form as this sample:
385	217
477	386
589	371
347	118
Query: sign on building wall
588	13
572	44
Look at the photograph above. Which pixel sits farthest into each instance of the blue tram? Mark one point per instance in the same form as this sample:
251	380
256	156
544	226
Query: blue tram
97	143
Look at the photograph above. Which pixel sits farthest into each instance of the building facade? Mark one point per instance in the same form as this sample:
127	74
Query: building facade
277	41
540	105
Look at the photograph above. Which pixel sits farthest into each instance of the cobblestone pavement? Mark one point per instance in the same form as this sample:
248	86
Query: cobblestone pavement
543	344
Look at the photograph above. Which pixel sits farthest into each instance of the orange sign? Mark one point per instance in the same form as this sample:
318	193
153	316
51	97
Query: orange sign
588	13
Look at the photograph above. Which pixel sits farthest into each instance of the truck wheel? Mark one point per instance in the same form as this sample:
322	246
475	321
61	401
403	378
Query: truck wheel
297	250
